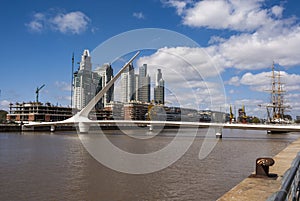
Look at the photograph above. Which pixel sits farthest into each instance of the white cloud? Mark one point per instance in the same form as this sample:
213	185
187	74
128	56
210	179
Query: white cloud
178	4
216	39
138	15
277	11
63	86
234	81
295	105
63	98
263	33
37	24
262	81
253	102
256	79
225	14
4	104
192	63
73	22
259	50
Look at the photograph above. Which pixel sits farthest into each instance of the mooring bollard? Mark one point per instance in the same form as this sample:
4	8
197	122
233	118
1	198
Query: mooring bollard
262	168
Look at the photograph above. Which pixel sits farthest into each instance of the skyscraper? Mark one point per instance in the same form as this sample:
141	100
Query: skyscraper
136	86
85	63
143	85
128	84
159	89
105	73
158	77
85	82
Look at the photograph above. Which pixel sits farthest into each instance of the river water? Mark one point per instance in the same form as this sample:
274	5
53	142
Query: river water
45	166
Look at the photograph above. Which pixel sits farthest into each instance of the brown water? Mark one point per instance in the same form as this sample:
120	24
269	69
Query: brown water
44	166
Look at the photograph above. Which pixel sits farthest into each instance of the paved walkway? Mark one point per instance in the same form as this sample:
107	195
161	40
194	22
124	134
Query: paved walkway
257	189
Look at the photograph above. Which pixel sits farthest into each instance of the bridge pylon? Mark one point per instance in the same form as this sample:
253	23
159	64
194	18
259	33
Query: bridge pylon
218	131
83	127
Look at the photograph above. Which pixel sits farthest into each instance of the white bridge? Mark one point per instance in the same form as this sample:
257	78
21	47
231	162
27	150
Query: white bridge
83	122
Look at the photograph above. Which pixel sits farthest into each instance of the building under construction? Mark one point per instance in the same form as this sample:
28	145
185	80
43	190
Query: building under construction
38	112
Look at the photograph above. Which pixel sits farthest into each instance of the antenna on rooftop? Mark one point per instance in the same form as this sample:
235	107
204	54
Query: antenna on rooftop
72	80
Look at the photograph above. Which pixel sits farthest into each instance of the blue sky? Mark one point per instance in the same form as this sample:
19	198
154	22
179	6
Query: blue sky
243	38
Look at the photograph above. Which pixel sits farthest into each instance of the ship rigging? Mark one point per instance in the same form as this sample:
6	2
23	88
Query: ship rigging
276	108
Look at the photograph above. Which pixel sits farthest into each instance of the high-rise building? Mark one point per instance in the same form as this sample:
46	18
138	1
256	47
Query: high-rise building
143	70
136	86
158	77
128	84
143	85
106	73
85	82
159	89
85	63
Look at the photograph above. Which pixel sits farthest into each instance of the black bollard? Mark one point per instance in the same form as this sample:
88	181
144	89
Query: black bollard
262	168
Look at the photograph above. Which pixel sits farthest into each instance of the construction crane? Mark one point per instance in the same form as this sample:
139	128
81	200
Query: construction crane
37	91
231	116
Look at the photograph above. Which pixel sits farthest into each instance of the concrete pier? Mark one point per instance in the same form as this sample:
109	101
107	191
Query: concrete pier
259	189
10	128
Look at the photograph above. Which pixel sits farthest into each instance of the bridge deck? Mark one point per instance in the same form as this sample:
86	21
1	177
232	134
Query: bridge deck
75	120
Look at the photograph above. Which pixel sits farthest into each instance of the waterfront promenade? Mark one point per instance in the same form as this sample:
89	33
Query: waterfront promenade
260	189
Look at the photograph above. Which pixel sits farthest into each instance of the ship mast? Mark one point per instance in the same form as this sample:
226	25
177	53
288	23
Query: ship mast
280	99
277	106
273	92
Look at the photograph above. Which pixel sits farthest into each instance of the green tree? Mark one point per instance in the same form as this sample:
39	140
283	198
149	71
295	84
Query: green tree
255	120
297	121
3	114
287	116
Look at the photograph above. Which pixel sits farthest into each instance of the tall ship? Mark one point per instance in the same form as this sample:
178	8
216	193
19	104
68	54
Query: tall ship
276	108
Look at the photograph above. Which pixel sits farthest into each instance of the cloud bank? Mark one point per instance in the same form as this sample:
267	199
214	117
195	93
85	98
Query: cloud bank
260	34
67	23
256	35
